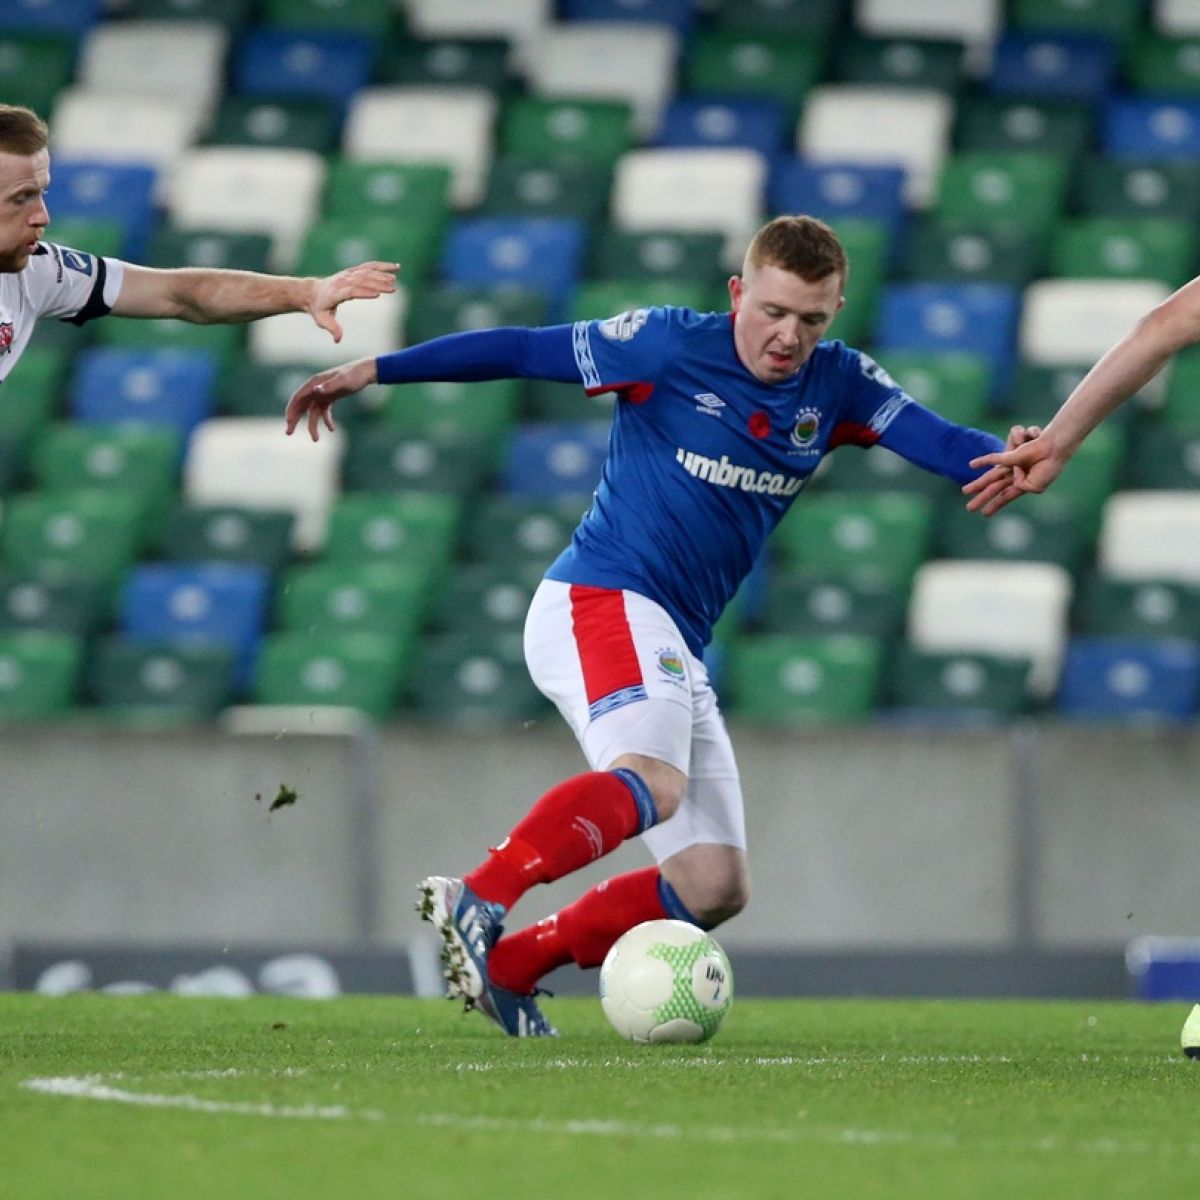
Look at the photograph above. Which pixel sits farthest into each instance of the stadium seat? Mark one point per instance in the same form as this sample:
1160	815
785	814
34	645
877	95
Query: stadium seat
819	17
250	190
1163	66
734	62
1176	18
692	190
548	401
534	253
228	533
902	62
873	540
515	532
389	598
1068	321
153	681
1000	123
909	127
317	63
484	410
385	459
447	62
555	459
958	687
680	14
609	60
181	59
669	254
1106	187
247	462
175	388
955	385
963	252
474	678
803	603
336	243
37	390
786	679
1053	65
368	328
1151	536
1176	401
1139	609
611	296
1014	610
1165	456
233	15
1117	679
1041	529
400	190
1003	187
1125	248
519	187
254	389
123	193
39	672
496	593
452	307
515	20
74	606
545	129
287	124
223	344
1116	19
403	527
972	21
1148	127
35	66
877	470
452	126
356	670
171	247
760	124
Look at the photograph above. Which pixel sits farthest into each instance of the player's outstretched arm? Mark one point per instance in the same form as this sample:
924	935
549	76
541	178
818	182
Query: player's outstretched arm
212	297
316	396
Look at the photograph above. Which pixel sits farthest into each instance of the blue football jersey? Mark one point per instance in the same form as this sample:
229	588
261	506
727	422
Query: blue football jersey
704	459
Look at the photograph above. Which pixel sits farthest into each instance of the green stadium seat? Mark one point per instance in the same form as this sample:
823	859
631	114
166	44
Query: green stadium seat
39	672
95	235
484	411
493	595
450	308
388	598
607	297
902	62
34	68
81	534
960	685
1038	529
232	14
399	190
730	62
1163	65
372	17
1116	19
954	384
1125	248
968	252
1165	456
262	389
474	679
1138	608
658	254
510	531
13	455
74	606
868	247
816	17
287	124
810	604
334	244
1003	187
1180	399
239	249
382	458
33	394
226	533
546	400
458	62
399	527
991	124
875	539
547	130
224	342
149	681
1113	187
786	679
851	469
536	188
355	670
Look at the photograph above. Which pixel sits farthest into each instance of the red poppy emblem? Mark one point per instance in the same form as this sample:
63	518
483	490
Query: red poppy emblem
6	336
760	424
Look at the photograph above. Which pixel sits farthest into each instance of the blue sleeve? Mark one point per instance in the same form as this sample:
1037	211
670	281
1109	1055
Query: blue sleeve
509	352
625	351
921	436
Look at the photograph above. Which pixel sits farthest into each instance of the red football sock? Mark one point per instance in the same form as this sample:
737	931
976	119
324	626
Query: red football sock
574	823
582	931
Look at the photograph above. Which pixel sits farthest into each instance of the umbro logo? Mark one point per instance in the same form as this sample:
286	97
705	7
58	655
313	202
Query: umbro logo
706	402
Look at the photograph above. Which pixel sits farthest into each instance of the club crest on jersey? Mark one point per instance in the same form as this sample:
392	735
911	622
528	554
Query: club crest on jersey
807	427
624	325
6	337
670	663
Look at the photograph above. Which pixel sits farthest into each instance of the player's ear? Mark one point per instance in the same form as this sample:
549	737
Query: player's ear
736	290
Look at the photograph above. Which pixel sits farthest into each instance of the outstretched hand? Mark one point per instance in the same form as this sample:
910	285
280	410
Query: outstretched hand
317	395
1030	462
363	282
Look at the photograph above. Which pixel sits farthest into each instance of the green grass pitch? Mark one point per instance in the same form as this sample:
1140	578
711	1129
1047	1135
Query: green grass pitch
161	1096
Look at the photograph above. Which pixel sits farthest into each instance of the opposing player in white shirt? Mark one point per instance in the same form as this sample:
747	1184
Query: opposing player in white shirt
40	279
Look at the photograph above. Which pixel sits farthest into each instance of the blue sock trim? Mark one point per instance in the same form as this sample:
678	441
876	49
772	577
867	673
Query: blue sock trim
676	909
646	810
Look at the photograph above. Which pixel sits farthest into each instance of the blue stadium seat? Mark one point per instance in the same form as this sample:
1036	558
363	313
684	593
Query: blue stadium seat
978	318
119	192
52	16
220	603
679	13
1053	66
310	63
541	254
158	387
1151	129
1114	678
836	191
759	124
557	459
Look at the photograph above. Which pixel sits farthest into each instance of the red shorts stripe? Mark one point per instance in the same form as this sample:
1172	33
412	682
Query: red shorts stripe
606	650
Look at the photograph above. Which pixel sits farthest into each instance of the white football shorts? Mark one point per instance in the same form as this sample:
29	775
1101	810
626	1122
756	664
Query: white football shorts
619	671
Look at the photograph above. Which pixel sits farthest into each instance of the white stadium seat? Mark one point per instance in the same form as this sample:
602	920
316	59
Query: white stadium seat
427	124
515	20
247	461
182	59
1012	609
905	127
1177	18
611	60
692	189
250	189
1151	535
368	328
975	22
1070	321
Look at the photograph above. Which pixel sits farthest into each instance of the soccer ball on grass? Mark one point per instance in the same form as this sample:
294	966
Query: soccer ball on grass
666	981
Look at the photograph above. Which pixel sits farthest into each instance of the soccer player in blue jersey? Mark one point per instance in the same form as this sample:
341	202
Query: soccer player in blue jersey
720	423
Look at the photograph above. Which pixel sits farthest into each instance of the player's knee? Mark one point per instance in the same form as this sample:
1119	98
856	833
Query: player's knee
712	882
721	900
667	784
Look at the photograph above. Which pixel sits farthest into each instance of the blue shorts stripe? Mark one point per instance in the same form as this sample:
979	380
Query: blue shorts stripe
617	699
